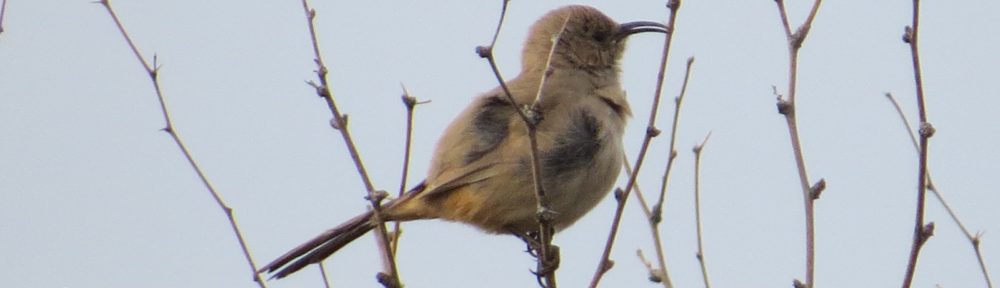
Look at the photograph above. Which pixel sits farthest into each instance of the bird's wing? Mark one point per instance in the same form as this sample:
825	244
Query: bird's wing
473	144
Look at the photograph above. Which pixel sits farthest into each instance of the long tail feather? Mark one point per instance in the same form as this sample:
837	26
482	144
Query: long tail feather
320	247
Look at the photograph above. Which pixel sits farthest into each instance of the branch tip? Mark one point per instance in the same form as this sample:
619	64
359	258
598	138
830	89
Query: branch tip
484	51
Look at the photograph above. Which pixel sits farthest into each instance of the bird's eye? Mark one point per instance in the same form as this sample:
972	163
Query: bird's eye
600	37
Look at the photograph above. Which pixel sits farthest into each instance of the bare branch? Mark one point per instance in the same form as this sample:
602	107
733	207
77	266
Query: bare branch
786	107
547	253
322	271
657	210
920	230
656	275
3	9
152	71
410	103
697	208
651	131
390	276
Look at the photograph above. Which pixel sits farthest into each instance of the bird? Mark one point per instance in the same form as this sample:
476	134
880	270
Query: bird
481	170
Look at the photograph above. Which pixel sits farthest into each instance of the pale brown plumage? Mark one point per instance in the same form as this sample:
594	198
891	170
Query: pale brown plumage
481	171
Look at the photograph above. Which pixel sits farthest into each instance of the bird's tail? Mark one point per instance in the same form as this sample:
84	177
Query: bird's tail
320	247
328	242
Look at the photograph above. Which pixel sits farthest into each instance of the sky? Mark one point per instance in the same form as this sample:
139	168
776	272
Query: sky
93	194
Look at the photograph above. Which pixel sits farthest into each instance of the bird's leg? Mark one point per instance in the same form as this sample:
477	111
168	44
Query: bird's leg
530	239
549	265
545	266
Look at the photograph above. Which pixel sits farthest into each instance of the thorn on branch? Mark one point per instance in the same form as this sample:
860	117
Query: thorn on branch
907	34
409	101
817	189
673	154
484	51
156	68
798	284
320	89
698	147
545	215
927	130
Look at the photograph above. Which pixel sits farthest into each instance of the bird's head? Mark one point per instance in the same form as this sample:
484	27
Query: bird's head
585	37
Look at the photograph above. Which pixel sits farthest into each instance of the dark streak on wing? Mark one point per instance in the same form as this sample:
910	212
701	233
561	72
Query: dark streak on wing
576	147
489	126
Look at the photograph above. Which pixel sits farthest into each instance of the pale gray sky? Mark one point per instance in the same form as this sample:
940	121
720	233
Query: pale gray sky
92	194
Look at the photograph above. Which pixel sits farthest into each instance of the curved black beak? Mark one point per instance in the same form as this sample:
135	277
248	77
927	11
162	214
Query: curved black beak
627	29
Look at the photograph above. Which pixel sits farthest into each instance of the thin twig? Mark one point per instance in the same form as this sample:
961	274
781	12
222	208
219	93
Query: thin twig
654	215
153	71
656	275
530	117
409	102
390	276
322	271
3	8
658	208
547	251
973	239
921	231
787	108
697	208
605	262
